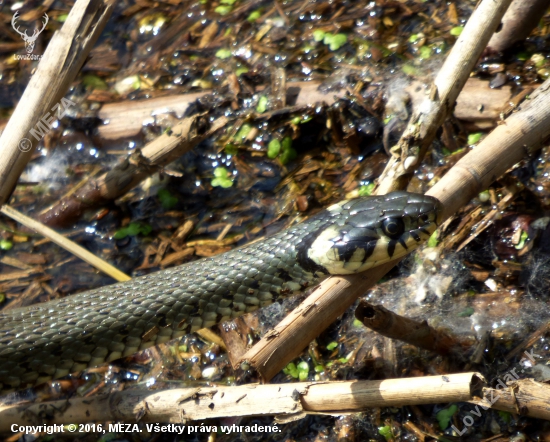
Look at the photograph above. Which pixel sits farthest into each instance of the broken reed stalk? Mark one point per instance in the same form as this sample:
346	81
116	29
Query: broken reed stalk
40	103
520	19
128	174
424	123
414	332
520	135
295	399
66	243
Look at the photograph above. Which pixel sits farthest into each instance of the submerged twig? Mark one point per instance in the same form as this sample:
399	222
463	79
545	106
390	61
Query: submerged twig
134	169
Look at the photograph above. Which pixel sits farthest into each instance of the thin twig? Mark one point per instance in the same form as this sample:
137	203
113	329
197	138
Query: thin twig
66	243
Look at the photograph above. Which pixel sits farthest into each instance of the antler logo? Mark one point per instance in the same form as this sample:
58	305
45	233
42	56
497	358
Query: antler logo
29	40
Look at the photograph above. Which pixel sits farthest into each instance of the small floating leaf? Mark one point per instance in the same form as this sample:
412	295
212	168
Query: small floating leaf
254	15
223	9
223	53
444	416
166	198
432	241
133	229
221	179
5	244
385	432
262	104
457	30
273	148
243	132
332	345
318	35
474	138
366	190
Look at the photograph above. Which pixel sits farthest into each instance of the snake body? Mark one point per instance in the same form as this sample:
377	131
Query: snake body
52	339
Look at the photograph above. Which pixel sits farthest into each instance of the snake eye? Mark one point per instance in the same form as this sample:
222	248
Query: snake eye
393	227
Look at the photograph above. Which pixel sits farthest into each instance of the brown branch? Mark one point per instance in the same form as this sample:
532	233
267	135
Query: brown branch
418	333
115	183
62	60
294	399
424	123
520	19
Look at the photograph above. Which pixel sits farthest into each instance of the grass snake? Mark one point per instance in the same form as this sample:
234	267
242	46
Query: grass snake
55	338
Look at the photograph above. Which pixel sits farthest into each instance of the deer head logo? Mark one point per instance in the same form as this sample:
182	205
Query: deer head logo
29	40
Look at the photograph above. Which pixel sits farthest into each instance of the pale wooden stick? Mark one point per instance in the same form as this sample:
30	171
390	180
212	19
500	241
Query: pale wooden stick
521	134
525	397
39	104
66	243
450	80
298	398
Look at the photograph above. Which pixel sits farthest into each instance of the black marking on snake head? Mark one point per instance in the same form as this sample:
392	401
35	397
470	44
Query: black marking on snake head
302	249
391	247
415	236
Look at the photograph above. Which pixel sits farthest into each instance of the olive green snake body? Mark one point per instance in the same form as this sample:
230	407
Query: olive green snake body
52	339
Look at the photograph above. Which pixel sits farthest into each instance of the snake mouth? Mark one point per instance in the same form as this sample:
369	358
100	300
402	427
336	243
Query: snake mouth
376	230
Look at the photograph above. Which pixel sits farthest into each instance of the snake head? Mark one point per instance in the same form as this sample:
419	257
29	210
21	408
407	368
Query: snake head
368	231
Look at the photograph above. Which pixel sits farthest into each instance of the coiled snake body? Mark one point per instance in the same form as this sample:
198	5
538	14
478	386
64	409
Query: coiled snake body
55	338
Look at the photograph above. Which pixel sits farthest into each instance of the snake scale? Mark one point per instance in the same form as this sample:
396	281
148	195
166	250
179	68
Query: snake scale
55	338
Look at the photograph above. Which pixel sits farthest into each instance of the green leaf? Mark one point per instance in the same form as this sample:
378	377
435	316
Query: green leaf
262	104
5	244
467	312
273	148
287	143
337	41
319	369
409	70
223	9
221	178
385	432
444	416
366	190
94	81
2	297
227	2
223	53
243	132
254	15
474	138
166	198
457	30
318	35
432	241
505	416
240	71
523	238
288	155
332	345
133	229
425	52
231	149
413	38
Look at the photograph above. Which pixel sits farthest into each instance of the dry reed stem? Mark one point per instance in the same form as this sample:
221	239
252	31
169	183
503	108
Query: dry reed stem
40	103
